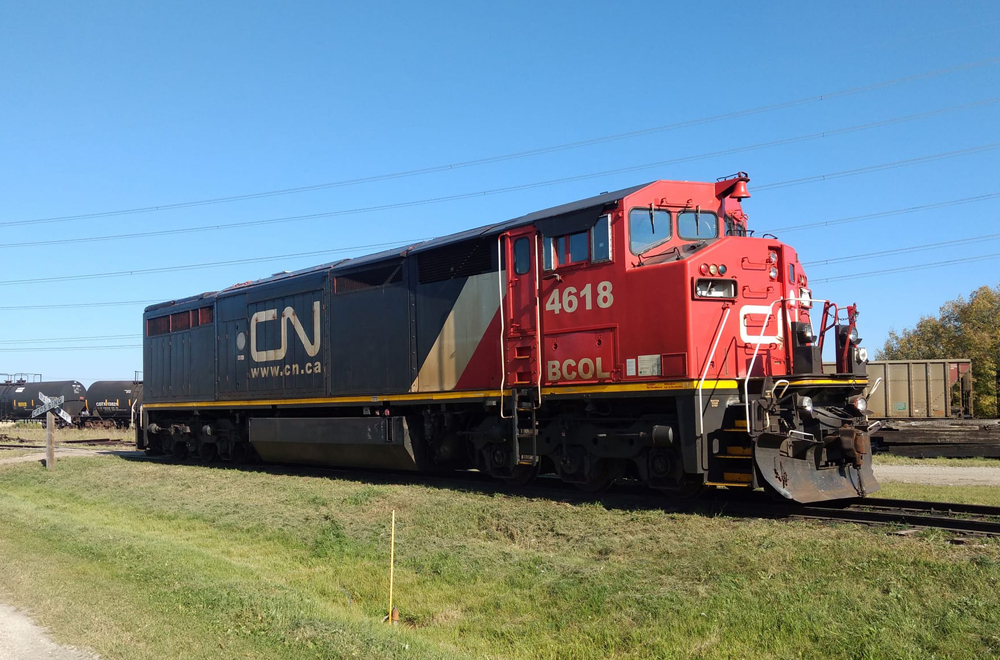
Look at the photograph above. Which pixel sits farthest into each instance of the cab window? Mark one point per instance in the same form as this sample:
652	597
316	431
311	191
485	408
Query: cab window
522	256
600	245
697	225
647	228
579	247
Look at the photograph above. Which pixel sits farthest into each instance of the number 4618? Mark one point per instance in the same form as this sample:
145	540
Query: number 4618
568	299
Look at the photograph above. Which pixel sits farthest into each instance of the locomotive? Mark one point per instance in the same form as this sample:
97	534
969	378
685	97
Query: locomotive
641	334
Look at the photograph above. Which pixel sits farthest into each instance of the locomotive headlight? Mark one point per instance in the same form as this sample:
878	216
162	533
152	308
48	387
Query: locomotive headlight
854	335
772	256
773	273
862	354
859	404
806	405
805	298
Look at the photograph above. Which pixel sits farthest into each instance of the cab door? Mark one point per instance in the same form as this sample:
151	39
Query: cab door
520	309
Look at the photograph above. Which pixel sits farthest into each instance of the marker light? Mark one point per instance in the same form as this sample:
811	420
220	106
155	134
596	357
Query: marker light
704	269
722	269
805	298
713	269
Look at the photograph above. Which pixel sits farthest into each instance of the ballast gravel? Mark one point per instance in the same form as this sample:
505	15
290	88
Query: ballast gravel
21	639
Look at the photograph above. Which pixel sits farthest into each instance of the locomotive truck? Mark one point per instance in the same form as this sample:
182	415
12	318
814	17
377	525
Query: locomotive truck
643	334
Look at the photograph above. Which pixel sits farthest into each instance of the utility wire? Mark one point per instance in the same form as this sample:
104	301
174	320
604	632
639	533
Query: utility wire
878	168
77	305
885	214
212	264
551	182
904	269
514	155
166	269
32	349
914	248
69	339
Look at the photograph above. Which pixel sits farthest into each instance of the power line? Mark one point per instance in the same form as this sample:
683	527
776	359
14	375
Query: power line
32	349
540	184
903	269
166	269
77	305
878	168
913	248
213	264
69	339
513	155
885	214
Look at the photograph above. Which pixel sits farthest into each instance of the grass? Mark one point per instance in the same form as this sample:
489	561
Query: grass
889	459
987	495
33	433
140	560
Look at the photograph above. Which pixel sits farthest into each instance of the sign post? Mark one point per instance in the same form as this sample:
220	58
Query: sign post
50	441
48	407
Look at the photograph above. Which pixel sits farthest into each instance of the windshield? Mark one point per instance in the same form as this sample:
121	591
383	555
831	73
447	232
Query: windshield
647	229
695	225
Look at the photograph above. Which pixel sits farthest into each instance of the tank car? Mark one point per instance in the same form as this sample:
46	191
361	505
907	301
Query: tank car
19	398
114	402
643	333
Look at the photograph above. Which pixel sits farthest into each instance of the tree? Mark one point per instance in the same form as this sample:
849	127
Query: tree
963	329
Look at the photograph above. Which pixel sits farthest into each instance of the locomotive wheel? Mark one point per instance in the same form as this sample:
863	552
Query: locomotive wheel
180	450
523	475
601	478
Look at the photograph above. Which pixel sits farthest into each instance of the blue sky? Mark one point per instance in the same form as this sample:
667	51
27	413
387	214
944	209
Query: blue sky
108	106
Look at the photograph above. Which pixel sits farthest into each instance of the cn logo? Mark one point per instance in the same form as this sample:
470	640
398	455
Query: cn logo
275	354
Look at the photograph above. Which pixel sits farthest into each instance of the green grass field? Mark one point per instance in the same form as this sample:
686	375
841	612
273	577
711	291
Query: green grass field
137	560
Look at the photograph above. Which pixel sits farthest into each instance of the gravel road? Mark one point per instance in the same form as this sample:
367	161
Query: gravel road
939	475
20	639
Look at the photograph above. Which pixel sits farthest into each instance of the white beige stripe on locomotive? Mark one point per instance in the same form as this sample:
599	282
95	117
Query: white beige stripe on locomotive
461	334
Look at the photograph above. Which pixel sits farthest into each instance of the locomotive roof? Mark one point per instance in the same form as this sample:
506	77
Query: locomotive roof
344	265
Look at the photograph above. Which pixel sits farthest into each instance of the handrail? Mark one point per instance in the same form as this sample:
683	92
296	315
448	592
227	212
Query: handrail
753	360
763	329
503	313
538	321
708	362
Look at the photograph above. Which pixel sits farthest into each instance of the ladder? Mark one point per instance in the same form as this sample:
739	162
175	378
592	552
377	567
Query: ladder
524	428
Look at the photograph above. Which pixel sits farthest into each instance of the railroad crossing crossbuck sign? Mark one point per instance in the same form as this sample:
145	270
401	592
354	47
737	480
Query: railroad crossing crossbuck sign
53	405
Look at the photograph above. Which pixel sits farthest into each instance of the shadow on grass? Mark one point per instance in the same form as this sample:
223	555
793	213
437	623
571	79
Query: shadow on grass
622	496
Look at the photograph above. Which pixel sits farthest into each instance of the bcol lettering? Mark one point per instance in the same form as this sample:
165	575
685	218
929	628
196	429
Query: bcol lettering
275	354
570	369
